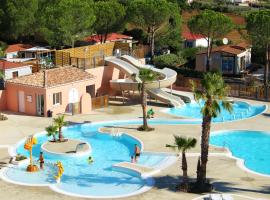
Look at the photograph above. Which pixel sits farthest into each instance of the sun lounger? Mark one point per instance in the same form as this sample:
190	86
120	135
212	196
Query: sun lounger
226	197
220	197
215	197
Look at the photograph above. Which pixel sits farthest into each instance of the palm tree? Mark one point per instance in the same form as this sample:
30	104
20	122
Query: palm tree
60	122
183	144
52	131
213	92
145	75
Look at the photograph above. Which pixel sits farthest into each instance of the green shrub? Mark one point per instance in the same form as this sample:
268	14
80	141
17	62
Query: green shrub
20	157
189	72
168	60
229	8
189	53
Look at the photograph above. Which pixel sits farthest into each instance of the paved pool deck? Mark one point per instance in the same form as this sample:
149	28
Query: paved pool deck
223	171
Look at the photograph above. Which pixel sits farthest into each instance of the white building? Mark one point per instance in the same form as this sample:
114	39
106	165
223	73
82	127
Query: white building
12	50
14	69
228	59
193	40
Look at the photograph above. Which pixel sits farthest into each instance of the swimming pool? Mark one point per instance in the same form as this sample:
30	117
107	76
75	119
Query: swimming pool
250	146
241	110
98	180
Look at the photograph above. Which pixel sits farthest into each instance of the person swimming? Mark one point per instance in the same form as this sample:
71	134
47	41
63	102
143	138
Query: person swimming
41	160
132	159
90	160
137	153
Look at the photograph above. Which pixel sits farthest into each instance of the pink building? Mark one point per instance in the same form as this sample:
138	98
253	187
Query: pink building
60	90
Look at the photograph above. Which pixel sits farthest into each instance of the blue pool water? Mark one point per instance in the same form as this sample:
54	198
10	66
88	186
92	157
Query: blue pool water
251	146
97	179
101	179
241	110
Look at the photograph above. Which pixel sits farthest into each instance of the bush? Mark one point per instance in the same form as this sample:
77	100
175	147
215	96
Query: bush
189	53
186	72
20	157
230	8
168	60
137	34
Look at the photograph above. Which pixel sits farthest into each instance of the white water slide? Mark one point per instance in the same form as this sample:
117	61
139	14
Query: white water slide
131	66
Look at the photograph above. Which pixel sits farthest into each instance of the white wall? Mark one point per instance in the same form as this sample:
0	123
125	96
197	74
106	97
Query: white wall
247	56
201	42
11	54
22	71
238	1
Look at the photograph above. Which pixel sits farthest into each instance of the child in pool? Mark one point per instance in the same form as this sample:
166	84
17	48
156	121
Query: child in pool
90	160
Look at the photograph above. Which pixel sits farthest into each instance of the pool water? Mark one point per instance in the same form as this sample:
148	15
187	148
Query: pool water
80	177
241	110
251	146
100	179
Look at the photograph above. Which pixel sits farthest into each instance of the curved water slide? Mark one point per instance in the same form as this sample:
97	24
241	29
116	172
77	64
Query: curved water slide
130	66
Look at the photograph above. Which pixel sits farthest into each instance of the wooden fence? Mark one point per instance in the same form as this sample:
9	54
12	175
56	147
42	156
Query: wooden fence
100	102
235	90
88	56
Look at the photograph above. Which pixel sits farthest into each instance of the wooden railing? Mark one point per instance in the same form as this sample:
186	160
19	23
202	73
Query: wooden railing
100	102
88	56
235	89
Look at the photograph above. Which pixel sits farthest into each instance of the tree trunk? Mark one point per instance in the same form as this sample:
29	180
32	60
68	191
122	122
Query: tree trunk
143	101
184	167
101	38
266	71
209	50
60	134
105	37
198	167
152	43
54	139
206	125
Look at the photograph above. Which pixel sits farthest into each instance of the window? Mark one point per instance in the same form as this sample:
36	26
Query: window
15	74
189	44
57	98
227	64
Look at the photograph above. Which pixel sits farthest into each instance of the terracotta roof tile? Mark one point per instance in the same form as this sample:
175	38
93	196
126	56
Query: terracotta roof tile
9	65
232	49
17	47
190	36
54	77
110	37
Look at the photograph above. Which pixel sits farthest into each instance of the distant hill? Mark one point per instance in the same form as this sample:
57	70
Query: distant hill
235	36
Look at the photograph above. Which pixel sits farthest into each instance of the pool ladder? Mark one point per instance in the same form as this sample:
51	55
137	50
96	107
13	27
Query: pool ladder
116	133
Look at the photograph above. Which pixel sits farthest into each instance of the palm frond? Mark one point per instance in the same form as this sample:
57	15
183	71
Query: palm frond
191	143
214	91
182	143
51	130
227	105
173	147
216	109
